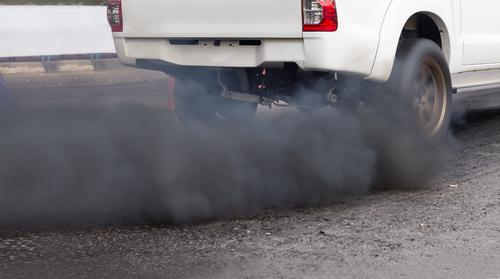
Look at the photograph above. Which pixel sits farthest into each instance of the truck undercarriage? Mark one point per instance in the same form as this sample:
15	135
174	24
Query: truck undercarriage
419	87
284	85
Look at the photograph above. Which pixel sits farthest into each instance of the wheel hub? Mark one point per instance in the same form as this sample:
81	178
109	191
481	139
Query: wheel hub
431	98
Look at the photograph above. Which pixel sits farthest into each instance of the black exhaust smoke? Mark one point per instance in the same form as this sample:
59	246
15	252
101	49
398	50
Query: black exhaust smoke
76	166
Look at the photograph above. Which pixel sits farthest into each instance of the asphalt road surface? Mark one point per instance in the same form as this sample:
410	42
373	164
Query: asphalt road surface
450	229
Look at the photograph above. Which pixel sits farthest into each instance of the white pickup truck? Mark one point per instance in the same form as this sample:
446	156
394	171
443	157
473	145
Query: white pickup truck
230	55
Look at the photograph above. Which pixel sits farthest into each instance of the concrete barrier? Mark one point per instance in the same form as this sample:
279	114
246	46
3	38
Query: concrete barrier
58	66
45	31
38	39
72	41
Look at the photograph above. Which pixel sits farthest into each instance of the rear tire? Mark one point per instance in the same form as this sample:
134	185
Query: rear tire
409	115
420	83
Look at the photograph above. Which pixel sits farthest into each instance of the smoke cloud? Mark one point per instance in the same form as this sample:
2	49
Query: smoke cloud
73	166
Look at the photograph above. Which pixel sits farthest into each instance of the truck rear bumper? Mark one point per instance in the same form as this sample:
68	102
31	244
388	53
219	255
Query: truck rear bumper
206	53
333	52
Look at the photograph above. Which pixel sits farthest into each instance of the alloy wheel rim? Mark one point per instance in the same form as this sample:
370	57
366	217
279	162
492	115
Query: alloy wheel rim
431	98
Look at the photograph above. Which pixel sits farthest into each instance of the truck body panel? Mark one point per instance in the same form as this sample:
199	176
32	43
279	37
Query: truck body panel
212	19
276	24
397	16
480	31
365	43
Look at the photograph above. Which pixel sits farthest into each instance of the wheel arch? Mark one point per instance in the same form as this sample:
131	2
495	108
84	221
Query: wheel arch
403	15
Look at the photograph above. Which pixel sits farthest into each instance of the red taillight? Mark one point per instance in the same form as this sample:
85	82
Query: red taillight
115	17
320	16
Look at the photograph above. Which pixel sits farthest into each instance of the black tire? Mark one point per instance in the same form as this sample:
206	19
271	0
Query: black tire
421	84
199	102
409	150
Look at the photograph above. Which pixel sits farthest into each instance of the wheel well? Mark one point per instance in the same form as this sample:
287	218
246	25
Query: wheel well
428	26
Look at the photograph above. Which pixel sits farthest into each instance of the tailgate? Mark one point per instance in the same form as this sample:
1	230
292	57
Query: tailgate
212	18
